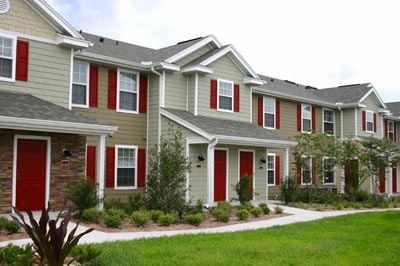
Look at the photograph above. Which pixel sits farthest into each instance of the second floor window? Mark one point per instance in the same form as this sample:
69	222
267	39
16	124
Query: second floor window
80	88
7	58
306	170
225	95
391	130
329	171
269	112
329	122
128	87
271	169
306	117
369	121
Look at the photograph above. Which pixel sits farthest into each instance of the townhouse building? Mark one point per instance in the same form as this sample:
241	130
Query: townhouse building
74	104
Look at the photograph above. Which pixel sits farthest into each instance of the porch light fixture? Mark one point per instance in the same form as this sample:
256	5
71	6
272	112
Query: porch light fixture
262	159
67	153
200	157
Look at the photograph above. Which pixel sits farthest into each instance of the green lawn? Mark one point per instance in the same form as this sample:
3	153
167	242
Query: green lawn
360	239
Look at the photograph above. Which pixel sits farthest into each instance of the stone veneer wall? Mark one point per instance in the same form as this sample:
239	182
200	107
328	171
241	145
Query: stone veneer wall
60	176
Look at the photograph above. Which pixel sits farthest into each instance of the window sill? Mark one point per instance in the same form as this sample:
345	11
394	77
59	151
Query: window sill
7	79
127	112
125	188
329	184
80	106
224	110
271	128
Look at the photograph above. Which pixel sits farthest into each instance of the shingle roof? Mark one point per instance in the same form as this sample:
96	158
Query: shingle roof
224	127
22	105
344	94
132	52
205	56
394	108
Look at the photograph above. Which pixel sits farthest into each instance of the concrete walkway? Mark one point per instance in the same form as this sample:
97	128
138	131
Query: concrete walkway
298	215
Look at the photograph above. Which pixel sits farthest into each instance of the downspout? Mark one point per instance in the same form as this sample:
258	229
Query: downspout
210	167
160	78
342	181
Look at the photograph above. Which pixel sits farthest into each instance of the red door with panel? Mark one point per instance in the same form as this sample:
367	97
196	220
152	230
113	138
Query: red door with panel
246	165
220	175
394	179
31	174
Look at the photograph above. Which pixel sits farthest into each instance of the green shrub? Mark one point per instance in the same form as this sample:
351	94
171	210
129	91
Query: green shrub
243	214
246	206
114	204
244	188
195	219
113	221
385	204
168	219
337	205
88	255
155	215
368	205
376	200
16	256
224	205
11	227
140	218
264	208
116	212
257	211
92	215
221	215
199	207
83	195
135	203
278	210
289	189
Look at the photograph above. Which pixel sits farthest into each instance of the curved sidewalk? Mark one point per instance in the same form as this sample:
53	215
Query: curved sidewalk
298	215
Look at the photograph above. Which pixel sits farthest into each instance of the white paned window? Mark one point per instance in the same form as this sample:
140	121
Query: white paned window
125	172
80	84
306	117
128	88
225	95
369	121
329	121
329	171
306	170
7	58
391	130
271	169
269	112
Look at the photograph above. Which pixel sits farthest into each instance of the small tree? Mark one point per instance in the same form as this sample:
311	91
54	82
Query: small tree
166	181
244	189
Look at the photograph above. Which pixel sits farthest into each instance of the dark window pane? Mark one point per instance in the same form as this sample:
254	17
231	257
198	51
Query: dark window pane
5	68
126	177
225	103
78	94
306	124
271	177
328	128
127	101
269	120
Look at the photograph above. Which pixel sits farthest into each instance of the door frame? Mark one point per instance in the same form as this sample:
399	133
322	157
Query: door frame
227	172
254	167
48	163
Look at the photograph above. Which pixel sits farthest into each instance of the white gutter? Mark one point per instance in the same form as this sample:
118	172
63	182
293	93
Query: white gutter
160	78
341	123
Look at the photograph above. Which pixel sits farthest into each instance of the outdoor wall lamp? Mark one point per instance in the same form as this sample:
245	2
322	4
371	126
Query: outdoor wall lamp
262	159
67	153
200	157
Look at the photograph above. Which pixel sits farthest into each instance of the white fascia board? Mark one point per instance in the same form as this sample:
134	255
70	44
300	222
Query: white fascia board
351	105
186	124
193	48
391	117
293	97
373	90
55	126
384	111
197	68
166	66
255	142
254	81
110	61
72	42
48	10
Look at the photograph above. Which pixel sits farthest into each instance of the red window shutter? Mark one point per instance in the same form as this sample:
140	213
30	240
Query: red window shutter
110	167
143	94
94	86
313	170
278	114
298	170
386	129
364	118
141	167
91	162
395	131
260	111
374	122
22	61
277	170
236	93
112	89
213	94
313	118
299	117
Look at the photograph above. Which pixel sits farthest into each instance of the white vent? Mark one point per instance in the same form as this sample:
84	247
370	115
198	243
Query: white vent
4	6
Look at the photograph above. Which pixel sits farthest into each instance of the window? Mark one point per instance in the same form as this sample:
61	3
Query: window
126	172
329	171
128	88
306	118
7	58
369	121
391	130
225	95
271	169
329	121
269	112
80	87
306	170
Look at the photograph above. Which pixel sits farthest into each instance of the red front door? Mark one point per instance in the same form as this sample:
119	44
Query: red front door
31	174
382	182
394	179
246	165
220	175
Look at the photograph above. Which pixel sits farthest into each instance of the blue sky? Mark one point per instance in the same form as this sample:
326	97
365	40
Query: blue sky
318	43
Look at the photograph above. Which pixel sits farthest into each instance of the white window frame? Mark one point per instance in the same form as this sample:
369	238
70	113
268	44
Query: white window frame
87	85
265	112
302	169
303	106
390	132
13	57
323	120
268	169
366	121
233	96
137	90
117	147
334	172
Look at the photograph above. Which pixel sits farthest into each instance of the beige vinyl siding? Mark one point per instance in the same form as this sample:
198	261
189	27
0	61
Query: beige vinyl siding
23	19
190	57
274	191
348	123
198	181
371	106
224	68
176	89
48	74
153	111
337	124
191	92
